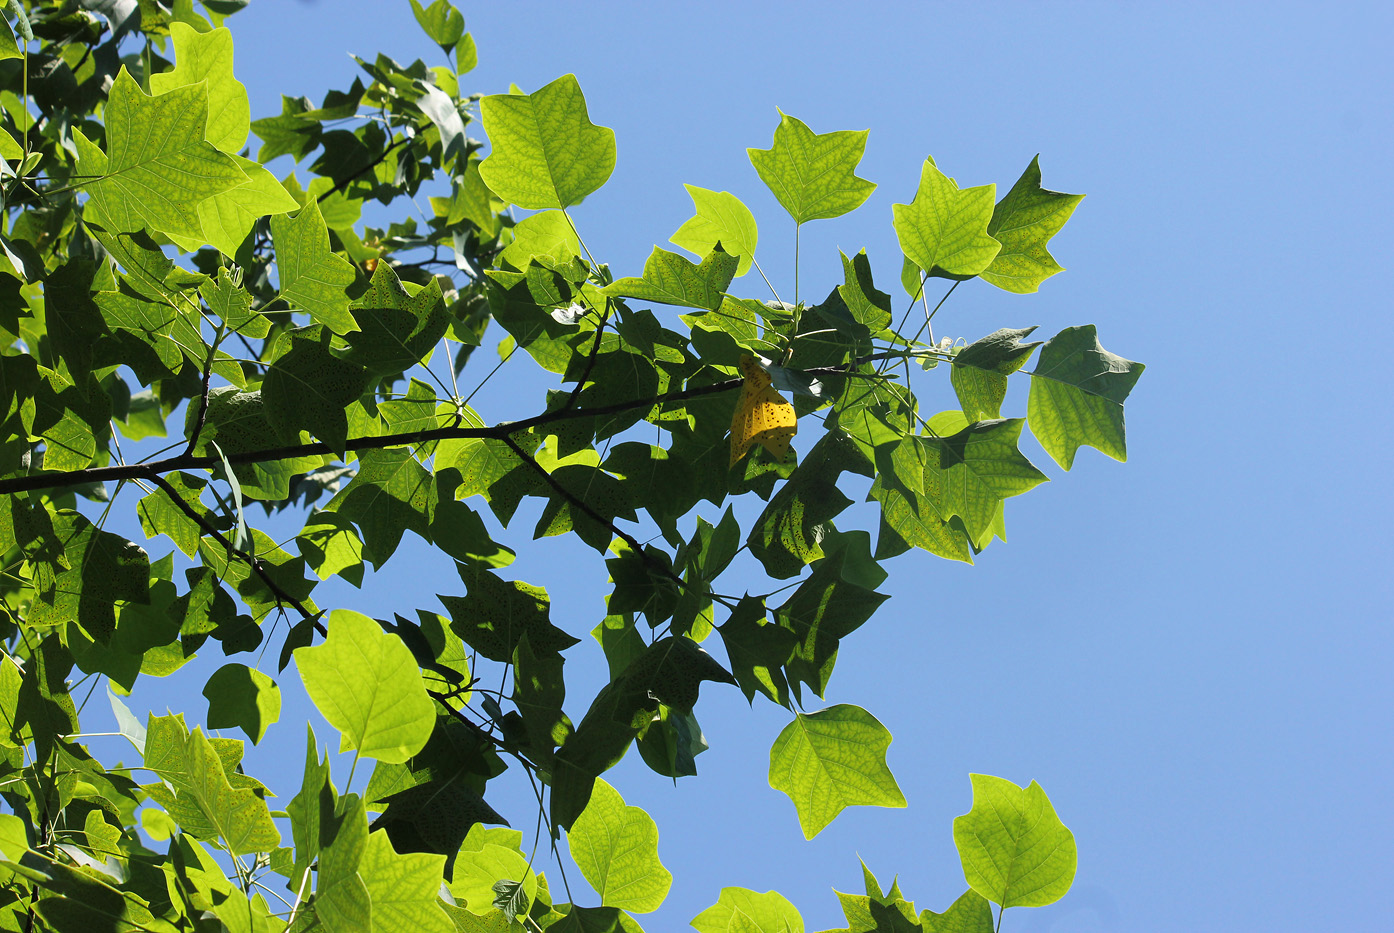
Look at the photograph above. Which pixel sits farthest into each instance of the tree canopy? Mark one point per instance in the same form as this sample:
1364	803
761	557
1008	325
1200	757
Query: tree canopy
160	282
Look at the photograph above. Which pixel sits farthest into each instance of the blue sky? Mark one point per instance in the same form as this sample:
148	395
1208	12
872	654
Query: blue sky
1191	651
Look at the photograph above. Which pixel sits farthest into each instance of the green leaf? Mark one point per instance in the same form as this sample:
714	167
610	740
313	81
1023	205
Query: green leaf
538	691
770	912
308	389
944	229
788	532
403	889
1023	222
971	913
229	216
102	570
204	803
616	848
720	218
827	607
758	651
546	151
813	175
868	306
207	57
311	277
244	698
548	233
594	920
159	167
970	472
833	759
478	870
441	21
1015	850
1077	396
160	516
980	371
390	495
366	683
494	615
396	327
342	903
672	280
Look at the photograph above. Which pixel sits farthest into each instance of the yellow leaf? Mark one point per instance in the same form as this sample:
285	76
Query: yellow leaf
762	417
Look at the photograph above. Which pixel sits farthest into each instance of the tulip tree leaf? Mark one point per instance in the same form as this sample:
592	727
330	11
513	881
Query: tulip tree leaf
546	151
980	371
944	229
203	801
969	473
1023	222
769	912
309	388
671	280
396	328
833	759
971	913
158	167
244	698
207	57
311	277
720	218
403	889
441	21
616	848
1015	850
368	686
495	614
1077	396
813	174
389	496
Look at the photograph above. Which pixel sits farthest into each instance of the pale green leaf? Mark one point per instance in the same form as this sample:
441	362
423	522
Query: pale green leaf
720	218
228	216
158	167
1023	222
200	57
672	280
477	870
311	277
368	686
812	174
404	889
546	151
971	913
1077	396
833	759
1015	850
770	912
616	848
547	233
944	229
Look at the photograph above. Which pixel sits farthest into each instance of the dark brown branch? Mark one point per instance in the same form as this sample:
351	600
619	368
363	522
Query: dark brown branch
502	431
282	597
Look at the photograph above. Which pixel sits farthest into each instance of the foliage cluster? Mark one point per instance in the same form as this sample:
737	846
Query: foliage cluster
158	279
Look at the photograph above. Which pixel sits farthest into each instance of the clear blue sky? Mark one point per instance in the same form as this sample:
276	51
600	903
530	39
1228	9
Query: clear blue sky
1191	652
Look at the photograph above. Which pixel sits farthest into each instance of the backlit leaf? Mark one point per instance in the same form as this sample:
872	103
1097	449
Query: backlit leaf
813	175
944	229
368	686
672	280
616	848
1077	394
311	277
1015	850
833	759
720	218
1023	222
769	912
546	151
244	698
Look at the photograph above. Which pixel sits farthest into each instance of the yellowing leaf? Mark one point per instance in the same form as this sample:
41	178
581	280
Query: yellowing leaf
762	417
